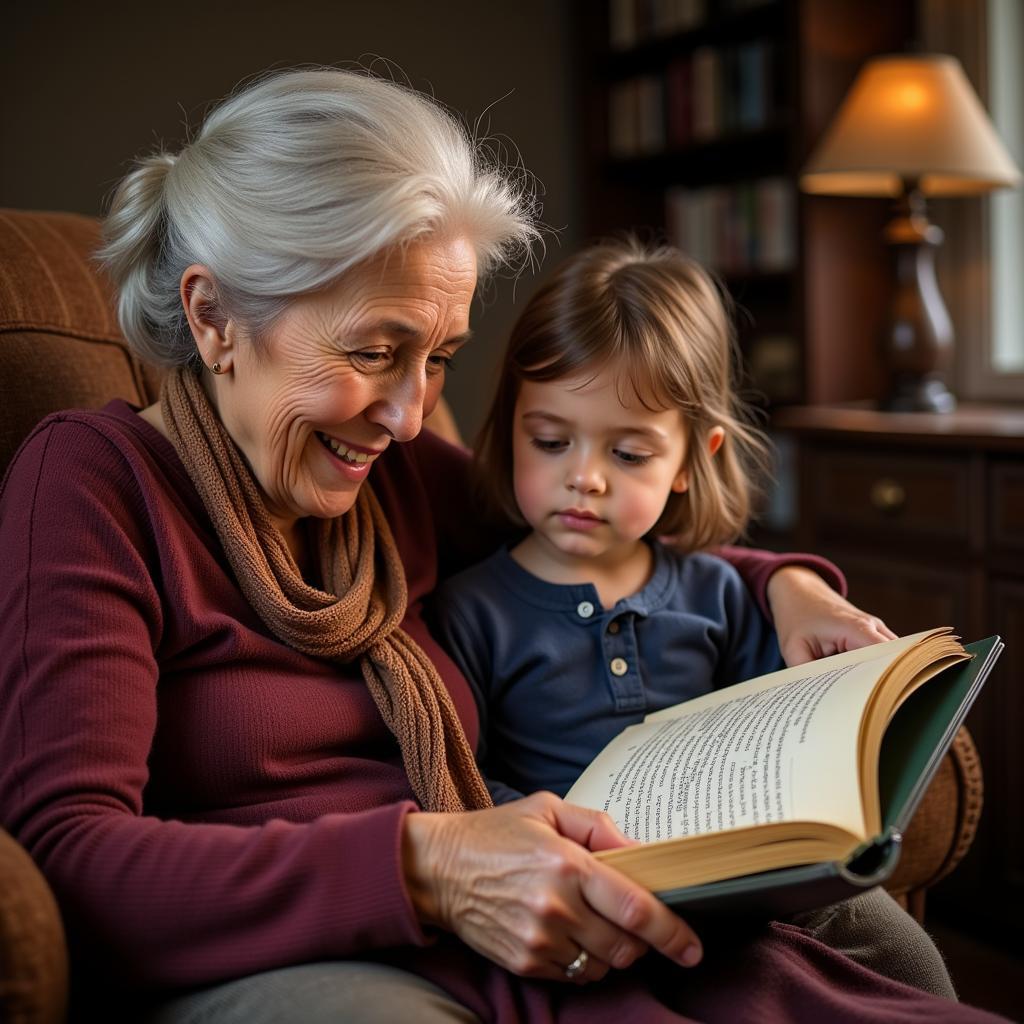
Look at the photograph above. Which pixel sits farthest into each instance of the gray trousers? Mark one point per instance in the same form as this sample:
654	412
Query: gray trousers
871	929
875	931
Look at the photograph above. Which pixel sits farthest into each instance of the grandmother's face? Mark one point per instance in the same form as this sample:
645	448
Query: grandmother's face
345	372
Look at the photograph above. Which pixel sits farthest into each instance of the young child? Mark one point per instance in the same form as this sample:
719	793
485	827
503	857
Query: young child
615	423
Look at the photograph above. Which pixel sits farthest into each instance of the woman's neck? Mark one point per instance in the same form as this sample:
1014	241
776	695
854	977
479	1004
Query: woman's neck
292	529
615	576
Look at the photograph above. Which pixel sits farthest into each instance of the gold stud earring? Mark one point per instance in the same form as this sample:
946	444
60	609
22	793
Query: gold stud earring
217	368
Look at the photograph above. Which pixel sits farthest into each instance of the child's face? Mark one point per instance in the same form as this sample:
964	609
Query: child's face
593	469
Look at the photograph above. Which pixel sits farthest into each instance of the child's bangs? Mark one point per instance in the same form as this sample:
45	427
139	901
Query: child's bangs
655	374
576	349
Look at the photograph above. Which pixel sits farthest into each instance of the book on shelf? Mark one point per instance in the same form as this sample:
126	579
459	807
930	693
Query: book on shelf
706	103
774	216
736	229
650	108
791	790
754	98
632	22
622	34
678	102
697	98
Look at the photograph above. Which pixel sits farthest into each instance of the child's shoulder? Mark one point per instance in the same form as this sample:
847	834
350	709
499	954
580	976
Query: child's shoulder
702	579
478	581
700	566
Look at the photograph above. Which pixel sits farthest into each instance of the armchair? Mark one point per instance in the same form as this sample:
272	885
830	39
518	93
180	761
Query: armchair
60	347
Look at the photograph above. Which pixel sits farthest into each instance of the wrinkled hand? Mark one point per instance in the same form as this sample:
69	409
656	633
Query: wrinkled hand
517	884
813	621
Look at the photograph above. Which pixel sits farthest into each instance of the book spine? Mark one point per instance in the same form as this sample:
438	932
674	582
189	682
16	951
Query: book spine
707	101
736	229
621	24
650	115
678	91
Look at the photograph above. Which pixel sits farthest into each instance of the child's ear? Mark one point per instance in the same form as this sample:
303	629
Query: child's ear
714	441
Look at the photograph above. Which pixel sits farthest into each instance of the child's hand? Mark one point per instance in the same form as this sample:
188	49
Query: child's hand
813	621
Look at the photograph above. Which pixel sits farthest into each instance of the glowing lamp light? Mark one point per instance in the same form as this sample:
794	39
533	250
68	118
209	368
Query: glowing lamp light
912	127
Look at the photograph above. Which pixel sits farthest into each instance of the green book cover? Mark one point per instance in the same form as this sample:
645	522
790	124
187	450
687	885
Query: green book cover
922	730
915	742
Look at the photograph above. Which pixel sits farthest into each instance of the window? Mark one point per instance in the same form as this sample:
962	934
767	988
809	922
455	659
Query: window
1006	209
981	262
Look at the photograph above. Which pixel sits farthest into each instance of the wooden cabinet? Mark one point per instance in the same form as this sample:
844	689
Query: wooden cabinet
925	515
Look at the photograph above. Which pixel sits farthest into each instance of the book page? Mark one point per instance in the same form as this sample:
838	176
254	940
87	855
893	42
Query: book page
782	747
884	652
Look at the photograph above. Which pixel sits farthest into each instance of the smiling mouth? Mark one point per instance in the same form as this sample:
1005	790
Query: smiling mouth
350	455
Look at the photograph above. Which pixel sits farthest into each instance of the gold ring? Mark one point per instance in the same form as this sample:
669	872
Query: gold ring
578	966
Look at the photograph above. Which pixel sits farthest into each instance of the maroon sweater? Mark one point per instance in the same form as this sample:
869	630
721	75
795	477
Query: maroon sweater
205	801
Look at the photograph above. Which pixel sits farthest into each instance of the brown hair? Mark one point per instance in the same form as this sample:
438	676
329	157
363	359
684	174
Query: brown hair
658	314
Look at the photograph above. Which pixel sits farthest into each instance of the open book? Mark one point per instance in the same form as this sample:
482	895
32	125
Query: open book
791	790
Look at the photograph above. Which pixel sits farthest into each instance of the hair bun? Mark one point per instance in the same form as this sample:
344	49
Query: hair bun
134	236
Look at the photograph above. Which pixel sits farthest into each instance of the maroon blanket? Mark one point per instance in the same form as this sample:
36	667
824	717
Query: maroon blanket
782	975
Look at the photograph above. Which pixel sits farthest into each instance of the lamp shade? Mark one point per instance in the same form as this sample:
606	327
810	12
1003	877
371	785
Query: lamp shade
910	119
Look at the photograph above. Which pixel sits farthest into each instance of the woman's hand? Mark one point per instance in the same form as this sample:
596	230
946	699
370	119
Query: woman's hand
813	621
517	884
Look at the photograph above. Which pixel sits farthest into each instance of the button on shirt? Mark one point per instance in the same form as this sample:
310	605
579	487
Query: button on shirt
556	675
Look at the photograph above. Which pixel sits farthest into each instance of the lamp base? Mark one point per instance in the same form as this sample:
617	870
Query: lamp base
919	340
919	394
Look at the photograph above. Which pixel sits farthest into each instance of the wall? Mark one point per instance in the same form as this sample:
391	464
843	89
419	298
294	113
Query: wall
85	86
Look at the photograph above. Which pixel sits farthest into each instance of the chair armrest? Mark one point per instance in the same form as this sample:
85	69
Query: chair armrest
33	952
943	827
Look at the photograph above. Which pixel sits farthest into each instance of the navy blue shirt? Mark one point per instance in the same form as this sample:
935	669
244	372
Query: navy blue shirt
556	675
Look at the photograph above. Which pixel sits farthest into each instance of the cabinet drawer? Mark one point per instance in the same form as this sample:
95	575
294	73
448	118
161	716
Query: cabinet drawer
908	596
880	495
1007	483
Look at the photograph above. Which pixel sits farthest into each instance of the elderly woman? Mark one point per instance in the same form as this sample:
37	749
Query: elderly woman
227	737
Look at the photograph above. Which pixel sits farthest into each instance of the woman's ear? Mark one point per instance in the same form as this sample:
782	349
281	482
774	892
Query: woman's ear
210	328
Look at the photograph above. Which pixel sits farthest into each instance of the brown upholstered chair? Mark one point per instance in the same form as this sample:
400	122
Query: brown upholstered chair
60	347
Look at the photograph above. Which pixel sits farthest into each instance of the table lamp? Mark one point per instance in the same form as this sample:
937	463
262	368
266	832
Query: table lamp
912	127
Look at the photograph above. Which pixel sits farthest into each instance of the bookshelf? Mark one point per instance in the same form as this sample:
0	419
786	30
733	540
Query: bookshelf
698	115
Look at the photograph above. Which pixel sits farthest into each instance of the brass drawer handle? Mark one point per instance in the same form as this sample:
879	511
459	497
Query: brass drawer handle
888	495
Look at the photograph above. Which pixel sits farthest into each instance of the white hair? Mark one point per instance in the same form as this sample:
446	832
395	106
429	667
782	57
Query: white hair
290	183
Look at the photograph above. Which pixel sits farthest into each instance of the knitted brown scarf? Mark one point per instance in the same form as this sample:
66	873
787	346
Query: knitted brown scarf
358	616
